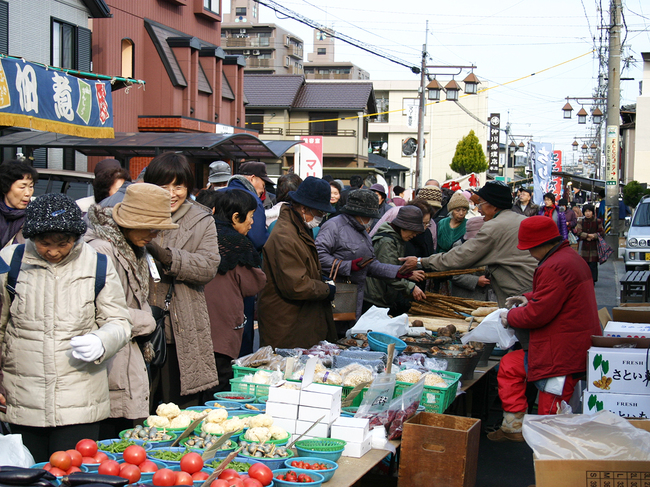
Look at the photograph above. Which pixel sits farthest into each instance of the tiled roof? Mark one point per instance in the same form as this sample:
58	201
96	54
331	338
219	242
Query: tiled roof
226	90
337	96
272	90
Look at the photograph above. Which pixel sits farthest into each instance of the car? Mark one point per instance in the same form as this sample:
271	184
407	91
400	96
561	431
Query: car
637	244
76	184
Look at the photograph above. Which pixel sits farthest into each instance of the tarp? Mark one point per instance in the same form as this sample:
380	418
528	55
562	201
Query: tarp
467	181
35	97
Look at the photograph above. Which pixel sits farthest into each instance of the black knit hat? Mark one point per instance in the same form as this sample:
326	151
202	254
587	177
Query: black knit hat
497	194
362	202
314	193
409	218
53	212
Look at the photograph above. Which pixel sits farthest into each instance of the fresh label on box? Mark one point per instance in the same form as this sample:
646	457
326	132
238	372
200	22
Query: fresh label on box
625	405
618	370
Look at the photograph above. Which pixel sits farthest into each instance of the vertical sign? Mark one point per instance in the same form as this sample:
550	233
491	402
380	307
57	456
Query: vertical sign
493	142
611	155
309	157
411	108
542	165
555	186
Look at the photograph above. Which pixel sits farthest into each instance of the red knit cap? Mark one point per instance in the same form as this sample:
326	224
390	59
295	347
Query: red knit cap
536	230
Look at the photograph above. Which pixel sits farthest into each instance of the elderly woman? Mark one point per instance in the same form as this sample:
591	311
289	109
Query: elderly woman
346	238
63	317
587	230
187	259
295	307
452	228
122	233
17	181
550	210
389	243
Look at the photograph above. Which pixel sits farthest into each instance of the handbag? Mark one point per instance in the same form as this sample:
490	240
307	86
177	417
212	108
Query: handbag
572	238
604	250
154	345
344	306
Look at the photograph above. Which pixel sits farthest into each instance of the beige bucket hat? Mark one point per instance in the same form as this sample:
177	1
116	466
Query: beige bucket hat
145	206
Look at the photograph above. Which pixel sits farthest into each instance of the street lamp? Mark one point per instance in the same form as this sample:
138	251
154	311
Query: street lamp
452	89
582	116
597	116
575	145
471	84
433	90
584	148
567	109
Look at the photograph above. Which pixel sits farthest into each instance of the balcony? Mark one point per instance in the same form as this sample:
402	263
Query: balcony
271	131
294	70
252	62
328	76
295	51
246	42
333	133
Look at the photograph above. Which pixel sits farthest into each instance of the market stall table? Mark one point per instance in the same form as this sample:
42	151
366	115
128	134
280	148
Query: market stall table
475	402
352	469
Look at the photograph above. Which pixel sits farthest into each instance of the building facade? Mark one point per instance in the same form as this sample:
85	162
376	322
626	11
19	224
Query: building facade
641	164
322	64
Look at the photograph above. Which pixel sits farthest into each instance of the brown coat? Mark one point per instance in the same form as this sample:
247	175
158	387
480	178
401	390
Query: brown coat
225	296
128	382
195	260
293	309
588	249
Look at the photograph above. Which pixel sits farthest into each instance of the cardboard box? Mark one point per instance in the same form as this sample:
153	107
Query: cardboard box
439	449
350	429
625	405
321	396
287	424
627	330
632	313
617	370
282	410
321	430
306	413
286	396
596	473
357	450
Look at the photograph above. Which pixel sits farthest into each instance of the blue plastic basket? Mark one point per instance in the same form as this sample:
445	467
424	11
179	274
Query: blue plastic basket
146	477
227	405
317	478
327	474
380	341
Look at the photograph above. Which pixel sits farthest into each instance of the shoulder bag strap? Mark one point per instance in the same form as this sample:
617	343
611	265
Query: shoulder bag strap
14	270
168	298
100	273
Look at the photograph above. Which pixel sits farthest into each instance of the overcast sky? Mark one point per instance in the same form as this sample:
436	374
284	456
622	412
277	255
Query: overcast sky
505	39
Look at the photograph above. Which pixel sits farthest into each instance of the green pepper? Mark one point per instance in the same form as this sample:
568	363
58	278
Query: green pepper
237	466
117	446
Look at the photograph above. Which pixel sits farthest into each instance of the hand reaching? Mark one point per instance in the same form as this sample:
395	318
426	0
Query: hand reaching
483	281
418	294
516	301
410	264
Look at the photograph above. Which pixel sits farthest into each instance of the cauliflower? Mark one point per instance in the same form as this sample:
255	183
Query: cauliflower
262	377
191	413
170	410
180	421
216	416
232	424
357	376
212	428
246	422
261	420
158	421
435	380
278	433
409	375
328	377
260	434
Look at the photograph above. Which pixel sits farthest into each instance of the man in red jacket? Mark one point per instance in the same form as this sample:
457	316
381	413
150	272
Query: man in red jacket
560	314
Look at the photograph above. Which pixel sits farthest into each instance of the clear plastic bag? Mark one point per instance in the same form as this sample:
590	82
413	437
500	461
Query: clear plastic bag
365	355
402	408
377	400
490	330
257	359
14	453
340	361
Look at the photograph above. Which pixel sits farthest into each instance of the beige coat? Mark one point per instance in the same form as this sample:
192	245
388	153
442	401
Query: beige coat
45	385
128	381
195	260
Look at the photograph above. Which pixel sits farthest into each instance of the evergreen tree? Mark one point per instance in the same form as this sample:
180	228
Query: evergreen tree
469	156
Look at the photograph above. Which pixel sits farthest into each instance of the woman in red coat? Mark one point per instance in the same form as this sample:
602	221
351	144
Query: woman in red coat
560	314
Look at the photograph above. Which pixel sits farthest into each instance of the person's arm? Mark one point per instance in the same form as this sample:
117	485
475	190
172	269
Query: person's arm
326	243
258	233
544	303
463	257
386	250
561	220
601	229
251	280
381	270
199	266
291	277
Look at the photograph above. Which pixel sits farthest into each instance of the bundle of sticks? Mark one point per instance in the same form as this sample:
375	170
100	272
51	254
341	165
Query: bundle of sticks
447	306
458	272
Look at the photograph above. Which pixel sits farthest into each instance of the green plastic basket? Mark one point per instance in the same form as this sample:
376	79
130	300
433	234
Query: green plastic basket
238	385
435	399
242	371
321	444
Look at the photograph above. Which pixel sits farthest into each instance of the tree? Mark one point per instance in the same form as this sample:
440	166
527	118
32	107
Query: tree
633	192
469	156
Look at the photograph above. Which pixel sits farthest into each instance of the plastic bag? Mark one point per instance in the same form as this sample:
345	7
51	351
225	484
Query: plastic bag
14	453
365	355
340	362
490	330
355	374
258	359
601	436
377	319
377	400
402	408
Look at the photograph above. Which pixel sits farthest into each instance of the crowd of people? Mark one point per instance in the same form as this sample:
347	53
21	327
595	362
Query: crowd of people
92	344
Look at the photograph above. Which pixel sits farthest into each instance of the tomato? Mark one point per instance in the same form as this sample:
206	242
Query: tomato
148	466
164	478
200	476
75	456
303	477
280	477
228	474
57	472
87	448
100	457
219	483
261	472
60	459
134	454
47	466
191	462
109	467
238	482
291	476
131	473
72	469
252	483
88	460
183	478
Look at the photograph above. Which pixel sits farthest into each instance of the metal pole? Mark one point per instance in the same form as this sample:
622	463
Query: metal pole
420	148
613	120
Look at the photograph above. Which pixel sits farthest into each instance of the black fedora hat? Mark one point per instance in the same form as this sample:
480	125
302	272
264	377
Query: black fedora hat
314	193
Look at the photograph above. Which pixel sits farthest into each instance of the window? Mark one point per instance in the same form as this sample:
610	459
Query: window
382	106
69	159
211	5
240	11
128	58
330	127
321	51
71	46
4	27
264	34
255	120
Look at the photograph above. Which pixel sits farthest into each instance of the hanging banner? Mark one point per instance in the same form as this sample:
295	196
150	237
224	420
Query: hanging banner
555	186
34	97
542	165
309	157
611	156
493	142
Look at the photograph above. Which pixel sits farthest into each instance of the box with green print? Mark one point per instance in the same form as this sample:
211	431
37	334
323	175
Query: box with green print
625	405
618	370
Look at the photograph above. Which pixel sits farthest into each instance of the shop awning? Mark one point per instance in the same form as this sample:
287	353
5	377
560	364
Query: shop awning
150	144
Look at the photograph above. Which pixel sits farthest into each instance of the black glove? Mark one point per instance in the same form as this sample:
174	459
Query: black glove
162	255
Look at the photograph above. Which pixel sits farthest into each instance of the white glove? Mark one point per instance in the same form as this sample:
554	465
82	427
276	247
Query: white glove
516	301
87	347
504	318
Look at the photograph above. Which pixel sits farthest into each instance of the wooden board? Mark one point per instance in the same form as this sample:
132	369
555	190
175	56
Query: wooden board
432	323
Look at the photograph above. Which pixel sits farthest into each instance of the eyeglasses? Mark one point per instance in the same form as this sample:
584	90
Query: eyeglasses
478	205
179	189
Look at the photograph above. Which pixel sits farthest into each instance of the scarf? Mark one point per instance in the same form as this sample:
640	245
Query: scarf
11	221
235	249
548	211
447	235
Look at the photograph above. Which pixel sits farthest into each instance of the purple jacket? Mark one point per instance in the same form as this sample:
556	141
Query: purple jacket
560	220
571	219
345	238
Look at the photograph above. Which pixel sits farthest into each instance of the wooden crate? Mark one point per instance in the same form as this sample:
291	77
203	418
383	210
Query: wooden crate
439	449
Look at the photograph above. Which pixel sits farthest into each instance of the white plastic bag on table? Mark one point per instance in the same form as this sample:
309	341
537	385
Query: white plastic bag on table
601	436
14	453
490	330
377	319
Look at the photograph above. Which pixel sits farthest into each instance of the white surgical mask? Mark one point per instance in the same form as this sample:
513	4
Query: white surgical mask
368	226
315	222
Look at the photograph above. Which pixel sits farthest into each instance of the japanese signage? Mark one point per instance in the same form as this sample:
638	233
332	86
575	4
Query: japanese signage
555	185
34	97
411	108
611	155
493	142
309	157
541	159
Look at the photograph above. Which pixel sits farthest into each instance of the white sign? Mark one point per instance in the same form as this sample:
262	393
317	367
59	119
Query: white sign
611	155
411	107
309	157
224	129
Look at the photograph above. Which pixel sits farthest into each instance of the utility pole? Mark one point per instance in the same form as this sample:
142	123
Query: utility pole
421	112
613	121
